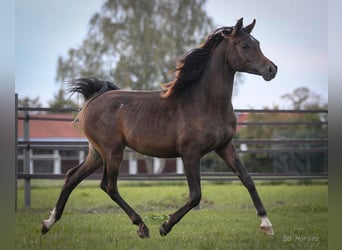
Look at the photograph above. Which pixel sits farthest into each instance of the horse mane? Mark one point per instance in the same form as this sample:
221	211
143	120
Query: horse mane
191	66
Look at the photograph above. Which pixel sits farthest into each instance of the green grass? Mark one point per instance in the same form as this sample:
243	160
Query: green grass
226	220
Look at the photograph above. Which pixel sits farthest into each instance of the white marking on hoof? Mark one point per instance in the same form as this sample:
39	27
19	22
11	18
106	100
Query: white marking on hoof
266	226
49	223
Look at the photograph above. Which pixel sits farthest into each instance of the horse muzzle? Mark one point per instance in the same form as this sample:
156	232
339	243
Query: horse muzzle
270	72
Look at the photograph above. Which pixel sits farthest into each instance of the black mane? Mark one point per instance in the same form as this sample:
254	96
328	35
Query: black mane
193	63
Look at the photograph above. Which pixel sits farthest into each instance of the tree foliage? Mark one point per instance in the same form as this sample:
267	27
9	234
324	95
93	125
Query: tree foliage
303	98
60	101
294	161
29	102
136	42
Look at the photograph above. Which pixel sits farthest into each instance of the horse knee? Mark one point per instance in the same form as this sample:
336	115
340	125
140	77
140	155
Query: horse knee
71	172
110	190
195	200
105	187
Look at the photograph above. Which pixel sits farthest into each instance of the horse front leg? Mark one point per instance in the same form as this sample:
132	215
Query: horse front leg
229	155
192	170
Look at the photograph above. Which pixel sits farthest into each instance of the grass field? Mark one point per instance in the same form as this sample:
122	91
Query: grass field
226	219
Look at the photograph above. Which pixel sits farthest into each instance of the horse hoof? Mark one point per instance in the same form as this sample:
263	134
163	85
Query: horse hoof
163	230
268	230
143	231
44	229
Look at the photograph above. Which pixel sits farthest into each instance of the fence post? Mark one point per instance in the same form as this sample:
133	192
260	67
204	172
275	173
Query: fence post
81	155
132	164
27	182
56	162
179	166
158	165
16	155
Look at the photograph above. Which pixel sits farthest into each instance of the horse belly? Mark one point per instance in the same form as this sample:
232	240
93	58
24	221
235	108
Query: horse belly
153	146
149	138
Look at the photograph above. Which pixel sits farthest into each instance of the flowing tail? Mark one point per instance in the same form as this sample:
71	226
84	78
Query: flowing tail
91	87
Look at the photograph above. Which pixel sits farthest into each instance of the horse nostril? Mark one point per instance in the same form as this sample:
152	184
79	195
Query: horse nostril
272	69
270	72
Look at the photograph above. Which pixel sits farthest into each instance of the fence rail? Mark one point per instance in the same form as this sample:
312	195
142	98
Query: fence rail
264	123
320	145
81	145
26	143
205	176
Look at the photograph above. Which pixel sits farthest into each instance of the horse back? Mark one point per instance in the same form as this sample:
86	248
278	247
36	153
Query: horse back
141	120
155	126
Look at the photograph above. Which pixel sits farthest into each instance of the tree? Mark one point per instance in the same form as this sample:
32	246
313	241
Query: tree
32	103
136	42
300	98
28	102
61	102
303	98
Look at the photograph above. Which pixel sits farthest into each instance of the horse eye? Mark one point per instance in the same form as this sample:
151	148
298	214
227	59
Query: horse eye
245	46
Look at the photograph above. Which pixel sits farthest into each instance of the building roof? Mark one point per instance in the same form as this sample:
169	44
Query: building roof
241	117
43	129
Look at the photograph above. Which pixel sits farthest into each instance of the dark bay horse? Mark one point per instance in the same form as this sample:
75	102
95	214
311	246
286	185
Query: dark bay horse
192	116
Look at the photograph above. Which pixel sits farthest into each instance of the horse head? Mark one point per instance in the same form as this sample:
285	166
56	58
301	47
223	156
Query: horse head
244	53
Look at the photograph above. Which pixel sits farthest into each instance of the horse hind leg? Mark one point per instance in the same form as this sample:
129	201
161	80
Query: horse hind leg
228	154
109	185
73	177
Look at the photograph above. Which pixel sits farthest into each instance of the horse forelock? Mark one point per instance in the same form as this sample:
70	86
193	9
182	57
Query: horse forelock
192	65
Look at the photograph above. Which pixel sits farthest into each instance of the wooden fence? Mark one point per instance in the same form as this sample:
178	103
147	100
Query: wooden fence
26	143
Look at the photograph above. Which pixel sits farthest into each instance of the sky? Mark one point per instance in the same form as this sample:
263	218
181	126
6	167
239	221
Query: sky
293	34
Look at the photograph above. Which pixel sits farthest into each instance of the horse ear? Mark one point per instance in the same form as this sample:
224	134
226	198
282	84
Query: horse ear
237	27
250	27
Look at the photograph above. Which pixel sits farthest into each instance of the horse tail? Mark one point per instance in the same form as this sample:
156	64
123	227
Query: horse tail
90	88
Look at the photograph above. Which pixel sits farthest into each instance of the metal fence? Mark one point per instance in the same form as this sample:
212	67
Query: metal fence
23	113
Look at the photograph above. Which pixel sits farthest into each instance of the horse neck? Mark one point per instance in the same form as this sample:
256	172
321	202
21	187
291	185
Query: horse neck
216	84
